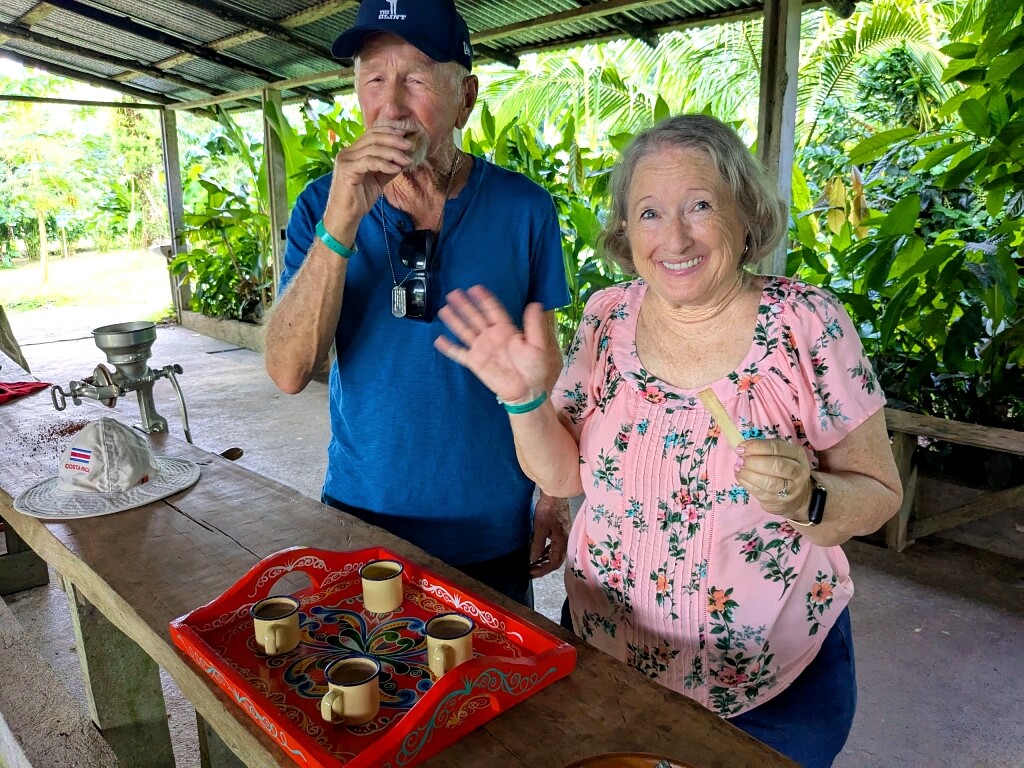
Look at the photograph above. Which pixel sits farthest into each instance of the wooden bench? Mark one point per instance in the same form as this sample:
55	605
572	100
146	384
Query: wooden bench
41	725
906	428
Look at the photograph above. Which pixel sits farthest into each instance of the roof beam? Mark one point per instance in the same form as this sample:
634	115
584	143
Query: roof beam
711	19
74	74
345	73
297	19
596	11
35	14
317	12
256	24
624	23
78	102
135	67
497	54
125	24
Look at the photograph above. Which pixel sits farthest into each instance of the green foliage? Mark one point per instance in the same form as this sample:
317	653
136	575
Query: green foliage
229	266
926	249
577	180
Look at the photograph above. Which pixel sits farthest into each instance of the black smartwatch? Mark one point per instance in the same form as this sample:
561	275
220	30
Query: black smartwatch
816	507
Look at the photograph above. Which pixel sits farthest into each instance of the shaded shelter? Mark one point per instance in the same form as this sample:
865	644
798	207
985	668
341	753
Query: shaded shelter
193	54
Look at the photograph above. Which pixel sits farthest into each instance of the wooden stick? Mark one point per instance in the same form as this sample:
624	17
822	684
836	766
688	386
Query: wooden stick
719	414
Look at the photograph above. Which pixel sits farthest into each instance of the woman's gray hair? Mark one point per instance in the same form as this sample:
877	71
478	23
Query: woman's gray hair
762	212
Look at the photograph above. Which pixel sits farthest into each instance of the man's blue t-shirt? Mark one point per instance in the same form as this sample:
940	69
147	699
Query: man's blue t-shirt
415	437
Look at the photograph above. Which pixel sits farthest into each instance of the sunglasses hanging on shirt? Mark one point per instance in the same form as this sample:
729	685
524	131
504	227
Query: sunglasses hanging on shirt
412	297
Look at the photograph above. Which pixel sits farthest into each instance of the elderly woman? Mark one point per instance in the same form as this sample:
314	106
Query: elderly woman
715	571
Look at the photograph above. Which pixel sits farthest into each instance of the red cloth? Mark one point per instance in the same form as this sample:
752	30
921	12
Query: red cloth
14	389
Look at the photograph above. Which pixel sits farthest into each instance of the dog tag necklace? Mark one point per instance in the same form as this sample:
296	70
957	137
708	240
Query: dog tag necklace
398	301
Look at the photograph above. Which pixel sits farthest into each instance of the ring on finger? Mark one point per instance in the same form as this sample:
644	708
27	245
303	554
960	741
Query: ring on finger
784	493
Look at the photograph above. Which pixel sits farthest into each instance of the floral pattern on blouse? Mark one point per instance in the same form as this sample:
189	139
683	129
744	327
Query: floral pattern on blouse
672	566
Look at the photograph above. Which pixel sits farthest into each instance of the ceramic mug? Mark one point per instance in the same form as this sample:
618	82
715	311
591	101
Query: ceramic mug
382	585
449	641
353	690
276	624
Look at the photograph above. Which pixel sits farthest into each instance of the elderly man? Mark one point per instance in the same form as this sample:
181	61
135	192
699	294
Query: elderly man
419	447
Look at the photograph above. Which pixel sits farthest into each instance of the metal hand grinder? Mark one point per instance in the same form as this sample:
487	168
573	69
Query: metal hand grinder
127	347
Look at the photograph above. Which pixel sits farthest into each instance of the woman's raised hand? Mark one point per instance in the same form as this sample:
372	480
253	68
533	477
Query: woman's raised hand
512	363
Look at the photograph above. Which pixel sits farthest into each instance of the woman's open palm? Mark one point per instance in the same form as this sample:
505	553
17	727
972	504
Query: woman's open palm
512	363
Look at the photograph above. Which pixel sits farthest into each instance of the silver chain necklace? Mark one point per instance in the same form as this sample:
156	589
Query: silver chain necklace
398	292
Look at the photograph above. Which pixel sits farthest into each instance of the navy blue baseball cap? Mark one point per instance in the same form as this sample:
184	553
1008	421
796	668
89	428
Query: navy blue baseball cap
433	26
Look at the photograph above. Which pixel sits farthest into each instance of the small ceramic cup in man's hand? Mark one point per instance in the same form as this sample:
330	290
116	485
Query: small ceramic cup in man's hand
449	642
353	690
382	585
276	624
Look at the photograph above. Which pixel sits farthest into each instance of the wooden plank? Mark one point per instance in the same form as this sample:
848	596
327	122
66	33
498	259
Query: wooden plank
776	114
986	506
903	447
130	566
35	14
122	684
41	725
277	185
993	438
92	79
181	289
20	567
292	21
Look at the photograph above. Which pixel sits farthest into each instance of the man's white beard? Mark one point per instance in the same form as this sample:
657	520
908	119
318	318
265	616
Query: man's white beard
415	133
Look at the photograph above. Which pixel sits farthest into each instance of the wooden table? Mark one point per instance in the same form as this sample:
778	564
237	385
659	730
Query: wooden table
129	574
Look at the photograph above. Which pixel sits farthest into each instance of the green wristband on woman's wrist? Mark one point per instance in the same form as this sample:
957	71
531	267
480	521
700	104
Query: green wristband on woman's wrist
529	405
331	242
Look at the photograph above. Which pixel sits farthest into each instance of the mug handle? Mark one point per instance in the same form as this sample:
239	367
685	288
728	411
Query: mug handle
444	655
327	708
270	644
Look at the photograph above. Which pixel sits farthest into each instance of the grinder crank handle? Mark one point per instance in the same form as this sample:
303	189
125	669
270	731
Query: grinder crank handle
169	371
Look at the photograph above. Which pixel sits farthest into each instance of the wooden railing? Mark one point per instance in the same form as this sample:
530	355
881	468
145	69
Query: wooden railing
905	429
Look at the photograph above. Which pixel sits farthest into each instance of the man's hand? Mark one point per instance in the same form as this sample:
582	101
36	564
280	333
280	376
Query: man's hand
361	171
550	535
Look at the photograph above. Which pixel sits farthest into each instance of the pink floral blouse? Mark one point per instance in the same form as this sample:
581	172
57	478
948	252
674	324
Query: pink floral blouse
672	566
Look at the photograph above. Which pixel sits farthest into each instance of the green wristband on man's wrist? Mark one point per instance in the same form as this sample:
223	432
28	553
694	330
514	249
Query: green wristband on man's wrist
529	405
332	244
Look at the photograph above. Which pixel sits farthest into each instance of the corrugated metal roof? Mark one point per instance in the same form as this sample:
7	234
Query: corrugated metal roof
174	51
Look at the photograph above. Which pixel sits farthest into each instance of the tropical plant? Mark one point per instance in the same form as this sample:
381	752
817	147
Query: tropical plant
933	277
229	266
577	180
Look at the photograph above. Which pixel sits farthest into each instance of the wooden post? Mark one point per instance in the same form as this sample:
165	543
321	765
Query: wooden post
20	567
122	684
277	182
181	293
213	752
776	117
903	446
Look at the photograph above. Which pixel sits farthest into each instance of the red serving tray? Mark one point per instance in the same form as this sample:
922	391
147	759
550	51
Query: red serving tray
512	660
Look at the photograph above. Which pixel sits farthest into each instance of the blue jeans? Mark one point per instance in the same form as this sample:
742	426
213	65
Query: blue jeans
810	720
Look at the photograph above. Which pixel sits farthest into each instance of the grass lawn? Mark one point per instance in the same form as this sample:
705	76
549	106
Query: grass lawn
90	279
